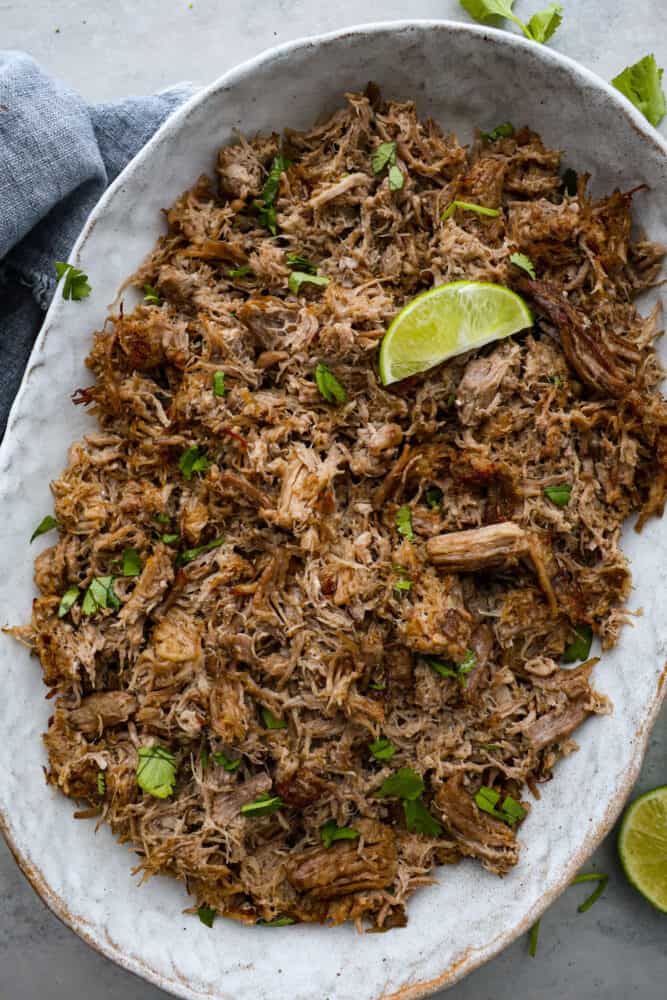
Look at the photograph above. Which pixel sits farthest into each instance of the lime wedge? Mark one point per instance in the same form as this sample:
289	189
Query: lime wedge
642	846
446	321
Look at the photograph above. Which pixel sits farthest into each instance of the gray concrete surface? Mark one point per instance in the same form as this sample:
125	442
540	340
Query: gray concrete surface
618	949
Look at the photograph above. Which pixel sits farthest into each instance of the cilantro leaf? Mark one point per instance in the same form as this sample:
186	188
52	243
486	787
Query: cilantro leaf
433	496
299	278
440	667
300	263
504	131
68	600
468	206
543	24
419	820
396	179
278	922
384	155
152	295
455	670
229	764
331	832
404	522
271	721
75	285
263	805
46	524
382	749
187	555
403	583
193	460
642	84
100	594
101	784
580	646
207	915
238	272
402	784
468	662
524	262
218	383
131	562
560	495
156	771
329	386
483	10
510	811
169	538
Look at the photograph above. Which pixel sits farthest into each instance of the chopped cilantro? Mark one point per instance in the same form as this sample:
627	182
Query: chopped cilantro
329	386
193	459
419	820
456	670
560	495
187	555
404	522
504	131
300	263
384	155
151	295
238	272
169	538
382	749
265	205
510	811
534	935
75	285
642	84
396	179
218	383
402	784
100	594
67	601
580	646
207	915
468	206
331	832
263	805
156	771
278	922
543	24
101	784
131	562
524	262
229	764
271	721
299	278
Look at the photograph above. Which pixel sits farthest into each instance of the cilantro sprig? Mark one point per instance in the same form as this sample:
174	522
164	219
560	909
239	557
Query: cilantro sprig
524	262
540	28
75	285
641	83
100	594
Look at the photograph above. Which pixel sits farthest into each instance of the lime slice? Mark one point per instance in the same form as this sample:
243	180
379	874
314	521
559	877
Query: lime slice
446	321
642	846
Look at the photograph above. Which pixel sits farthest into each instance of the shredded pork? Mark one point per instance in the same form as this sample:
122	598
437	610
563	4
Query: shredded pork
292	604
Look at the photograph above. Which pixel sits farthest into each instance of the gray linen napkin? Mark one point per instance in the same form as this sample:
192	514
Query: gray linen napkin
57	155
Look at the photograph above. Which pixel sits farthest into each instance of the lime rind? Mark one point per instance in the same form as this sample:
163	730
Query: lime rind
642	846
446	321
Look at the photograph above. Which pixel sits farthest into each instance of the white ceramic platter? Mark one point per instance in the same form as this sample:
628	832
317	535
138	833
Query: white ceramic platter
464	76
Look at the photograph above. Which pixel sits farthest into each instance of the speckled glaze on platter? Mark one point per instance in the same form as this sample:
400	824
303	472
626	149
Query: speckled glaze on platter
464	76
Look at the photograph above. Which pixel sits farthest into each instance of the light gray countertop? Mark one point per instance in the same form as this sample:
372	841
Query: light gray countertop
107	49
